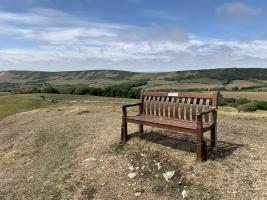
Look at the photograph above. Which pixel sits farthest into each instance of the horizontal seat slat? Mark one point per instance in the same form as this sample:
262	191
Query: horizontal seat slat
166	121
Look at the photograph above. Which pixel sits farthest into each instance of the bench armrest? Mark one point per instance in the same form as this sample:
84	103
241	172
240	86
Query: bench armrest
206	112
124	108
131	105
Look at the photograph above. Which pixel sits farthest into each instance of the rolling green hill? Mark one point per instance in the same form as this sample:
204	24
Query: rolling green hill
229	79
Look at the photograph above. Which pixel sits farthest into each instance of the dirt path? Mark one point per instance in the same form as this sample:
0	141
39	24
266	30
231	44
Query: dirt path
73	153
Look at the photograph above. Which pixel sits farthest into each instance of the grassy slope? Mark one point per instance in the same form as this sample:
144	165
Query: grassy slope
169	80
12	104
259	96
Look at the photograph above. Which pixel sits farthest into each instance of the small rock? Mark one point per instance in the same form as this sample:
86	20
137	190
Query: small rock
159	166
168	175
132	175
131	168
88	159
31	177
137	194
184	194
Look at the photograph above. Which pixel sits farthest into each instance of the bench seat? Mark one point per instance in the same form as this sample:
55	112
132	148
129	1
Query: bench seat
174	124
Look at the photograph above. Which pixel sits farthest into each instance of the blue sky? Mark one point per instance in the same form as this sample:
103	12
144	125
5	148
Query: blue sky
135	35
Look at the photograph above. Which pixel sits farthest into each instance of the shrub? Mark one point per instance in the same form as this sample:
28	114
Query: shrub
66	90
88	91
240	101
134	93
248	107
34	90
137	83
226	101
116	91
262	105
235	88
233	102
81	91
50	89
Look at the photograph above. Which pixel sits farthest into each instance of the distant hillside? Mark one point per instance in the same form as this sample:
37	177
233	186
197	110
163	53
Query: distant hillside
231	78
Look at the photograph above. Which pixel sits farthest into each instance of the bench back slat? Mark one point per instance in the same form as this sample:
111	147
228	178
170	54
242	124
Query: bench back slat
182	108
182	105
194	109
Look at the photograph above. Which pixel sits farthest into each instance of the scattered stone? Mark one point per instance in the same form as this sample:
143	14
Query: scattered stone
159	166
31	177
184	194
137	194
179	183
88	159
143	155
132	175
131	168
168	175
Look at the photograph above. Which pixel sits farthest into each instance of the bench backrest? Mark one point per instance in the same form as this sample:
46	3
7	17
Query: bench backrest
182	105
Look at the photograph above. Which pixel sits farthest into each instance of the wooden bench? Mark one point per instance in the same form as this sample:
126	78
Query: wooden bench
185	112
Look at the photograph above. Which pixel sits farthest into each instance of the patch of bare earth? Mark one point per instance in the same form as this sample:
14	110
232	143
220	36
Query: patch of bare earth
72	152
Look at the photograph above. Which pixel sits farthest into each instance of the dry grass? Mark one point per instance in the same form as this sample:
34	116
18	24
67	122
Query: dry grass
259	96
72	152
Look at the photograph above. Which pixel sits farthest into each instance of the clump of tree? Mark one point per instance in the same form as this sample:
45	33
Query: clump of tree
83	90
50	90
121	91
243	104
253	106
111	91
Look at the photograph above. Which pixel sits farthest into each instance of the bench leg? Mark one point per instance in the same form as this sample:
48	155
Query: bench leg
204	151
141	128
199	144
123	131
213	137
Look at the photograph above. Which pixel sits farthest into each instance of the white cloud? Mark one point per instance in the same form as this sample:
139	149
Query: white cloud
76	44
238	10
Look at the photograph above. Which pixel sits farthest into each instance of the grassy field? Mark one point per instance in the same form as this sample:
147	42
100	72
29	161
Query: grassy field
15	103
69	149
259	96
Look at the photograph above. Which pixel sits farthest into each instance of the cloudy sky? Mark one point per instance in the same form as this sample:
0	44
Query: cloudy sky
135	35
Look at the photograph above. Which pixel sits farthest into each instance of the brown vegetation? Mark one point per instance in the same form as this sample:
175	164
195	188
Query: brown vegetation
72	152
